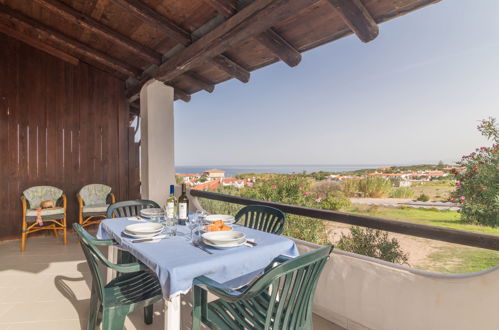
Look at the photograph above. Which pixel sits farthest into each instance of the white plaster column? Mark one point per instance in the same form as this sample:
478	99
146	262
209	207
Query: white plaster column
157	163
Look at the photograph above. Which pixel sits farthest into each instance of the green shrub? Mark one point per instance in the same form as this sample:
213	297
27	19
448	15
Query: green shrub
334	201
372	243
307	229
323	188
373	186
423	198
350	187
477	183
402	192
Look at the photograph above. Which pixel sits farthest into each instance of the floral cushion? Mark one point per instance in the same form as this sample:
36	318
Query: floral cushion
94	194
38	194
45	212
102	209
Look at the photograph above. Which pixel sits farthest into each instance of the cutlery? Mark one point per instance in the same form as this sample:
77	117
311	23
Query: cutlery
251	241
148	239
196	244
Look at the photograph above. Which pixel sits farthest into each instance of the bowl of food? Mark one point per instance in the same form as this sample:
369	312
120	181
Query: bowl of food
225	218
217	225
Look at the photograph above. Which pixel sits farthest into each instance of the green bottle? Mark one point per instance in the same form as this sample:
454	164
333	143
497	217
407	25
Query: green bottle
183	206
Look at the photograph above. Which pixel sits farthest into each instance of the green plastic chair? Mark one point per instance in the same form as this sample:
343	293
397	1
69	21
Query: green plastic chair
129	208
264	218
281	298
110	303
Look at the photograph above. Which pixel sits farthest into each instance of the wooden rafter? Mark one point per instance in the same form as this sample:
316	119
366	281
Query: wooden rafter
257	17
15	17
147	14
357	17
39	45
198	81
181	94
274	42
89	23
231	68
226	8
270	39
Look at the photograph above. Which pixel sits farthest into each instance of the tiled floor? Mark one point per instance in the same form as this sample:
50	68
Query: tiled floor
47	287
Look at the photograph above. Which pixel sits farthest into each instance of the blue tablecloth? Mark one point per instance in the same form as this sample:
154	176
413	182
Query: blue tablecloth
177	262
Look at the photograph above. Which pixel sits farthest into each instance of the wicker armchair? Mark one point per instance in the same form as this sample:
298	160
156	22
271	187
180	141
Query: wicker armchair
93	203
35	218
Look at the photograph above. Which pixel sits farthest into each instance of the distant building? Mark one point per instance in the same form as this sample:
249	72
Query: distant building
234	182
189	177
214	174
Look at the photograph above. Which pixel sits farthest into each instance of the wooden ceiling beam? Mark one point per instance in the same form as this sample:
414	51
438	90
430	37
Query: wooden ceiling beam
357	18
255	18
274	42
231	68
270	39
89	23
39	45
181	94
198	81
15	17
226	8
150	16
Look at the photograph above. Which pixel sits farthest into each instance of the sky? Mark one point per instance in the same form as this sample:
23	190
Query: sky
413	95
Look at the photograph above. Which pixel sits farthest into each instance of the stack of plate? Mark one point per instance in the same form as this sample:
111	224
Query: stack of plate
143	230
224	239
152	213
224	217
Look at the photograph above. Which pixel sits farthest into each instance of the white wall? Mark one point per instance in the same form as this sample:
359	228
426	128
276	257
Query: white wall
358	292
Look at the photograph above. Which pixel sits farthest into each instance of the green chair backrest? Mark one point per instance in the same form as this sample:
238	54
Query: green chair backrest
94	256
291	286
38	194
94	194
129	208
261	217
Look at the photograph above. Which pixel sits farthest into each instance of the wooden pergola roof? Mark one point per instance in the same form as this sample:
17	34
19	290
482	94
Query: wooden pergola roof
191	45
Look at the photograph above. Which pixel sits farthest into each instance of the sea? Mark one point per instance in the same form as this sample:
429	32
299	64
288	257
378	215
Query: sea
233	170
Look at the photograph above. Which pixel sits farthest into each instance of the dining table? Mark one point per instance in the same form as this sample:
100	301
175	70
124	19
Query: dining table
177	261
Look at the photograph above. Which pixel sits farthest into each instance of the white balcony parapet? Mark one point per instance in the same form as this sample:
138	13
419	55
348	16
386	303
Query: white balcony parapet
359	292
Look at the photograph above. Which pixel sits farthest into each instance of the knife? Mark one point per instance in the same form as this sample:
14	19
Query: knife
140	240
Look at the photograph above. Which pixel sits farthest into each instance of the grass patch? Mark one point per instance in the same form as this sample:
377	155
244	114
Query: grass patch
436	191
460	260
431	217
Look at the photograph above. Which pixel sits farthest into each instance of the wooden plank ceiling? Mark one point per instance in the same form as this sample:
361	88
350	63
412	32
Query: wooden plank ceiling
191	45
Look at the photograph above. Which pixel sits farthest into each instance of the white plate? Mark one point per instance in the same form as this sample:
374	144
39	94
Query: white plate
225	246
225	217
140	235
152	212
224	237
144	228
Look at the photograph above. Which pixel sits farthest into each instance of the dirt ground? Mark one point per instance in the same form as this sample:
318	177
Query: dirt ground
418	249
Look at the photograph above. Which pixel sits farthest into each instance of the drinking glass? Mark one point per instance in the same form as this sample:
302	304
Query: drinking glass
192	223
171	226
201	215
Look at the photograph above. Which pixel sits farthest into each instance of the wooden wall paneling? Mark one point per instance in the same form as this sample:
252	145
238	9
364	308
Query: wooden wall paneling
123	191
6	102
60	125
13	204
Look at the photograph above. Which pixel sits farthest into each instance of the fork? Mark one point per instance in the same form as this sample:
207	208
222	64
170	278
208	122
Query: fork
196	244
